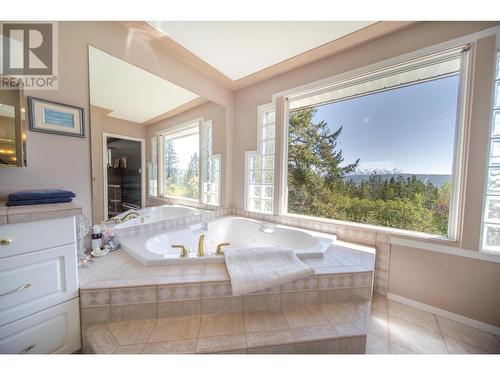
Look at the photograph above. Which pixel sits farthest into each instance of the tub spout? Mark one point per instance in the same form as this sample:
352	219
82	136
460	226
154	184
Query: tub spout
184	250
219	250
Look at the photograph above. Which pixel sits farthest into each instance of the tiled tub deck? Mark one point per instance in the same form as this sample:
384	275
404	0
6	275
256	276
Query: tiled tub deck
127	307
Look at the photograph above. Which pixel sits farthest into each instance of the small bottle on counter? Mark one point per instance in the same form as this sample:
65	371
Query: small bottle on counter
96	237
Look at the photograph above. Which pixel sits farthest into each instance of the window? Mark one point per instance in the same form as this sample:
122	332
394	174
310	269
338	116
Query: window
260	165
380	148
491	215
175	163
211	167
180	164
153	168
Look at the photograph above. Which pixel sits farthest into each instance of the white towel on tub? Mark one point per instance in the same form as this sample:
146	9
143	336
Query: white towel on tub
259	268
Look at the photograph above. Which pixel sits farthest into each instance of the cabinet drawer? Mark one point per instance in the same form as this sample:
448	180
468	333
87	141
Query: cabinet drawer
54	330
35	281
20	238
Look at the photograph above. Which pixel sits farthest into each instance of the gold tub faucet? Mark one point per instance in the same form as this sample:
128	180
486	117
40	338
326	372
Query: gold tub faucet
201	245
184	250
219	250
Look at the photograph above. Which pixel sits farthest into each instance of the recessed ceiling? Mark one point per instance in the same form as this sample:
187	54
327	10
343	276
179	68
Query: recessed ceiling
131	93
239	49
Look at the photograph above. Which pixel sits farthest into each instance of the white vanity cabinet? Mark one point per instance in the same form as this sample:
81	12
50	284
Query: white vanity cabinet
39	305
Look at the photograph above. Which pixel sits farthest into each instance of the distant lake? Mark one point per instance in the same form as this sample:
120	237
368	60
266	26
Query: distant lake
435	179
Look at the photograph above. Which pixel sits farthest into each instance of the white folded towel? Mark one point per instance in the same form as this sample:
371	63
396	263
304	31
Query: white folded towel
253	269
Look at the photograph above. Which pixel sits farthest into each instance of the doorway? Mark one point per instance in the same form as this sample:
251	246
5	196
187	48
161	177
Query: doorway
124	177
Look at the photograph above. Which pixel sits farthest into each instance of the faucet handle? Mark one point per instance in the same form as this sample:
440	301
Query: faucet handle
219	250
184	250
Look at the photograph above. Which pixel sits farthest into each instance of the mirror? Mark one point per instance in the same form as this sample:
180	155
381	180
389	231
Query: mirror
153	143
12	129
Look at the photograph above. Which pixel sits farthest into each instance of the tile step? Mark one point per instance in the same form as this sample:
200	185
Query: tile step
316	329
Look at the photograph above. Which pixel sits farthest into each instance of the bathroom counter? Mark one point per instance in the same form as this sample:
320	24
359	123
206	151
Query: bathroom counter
22	214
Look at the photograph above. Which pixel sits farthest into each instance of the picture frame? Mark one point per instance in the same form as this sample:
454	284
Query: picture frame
50	117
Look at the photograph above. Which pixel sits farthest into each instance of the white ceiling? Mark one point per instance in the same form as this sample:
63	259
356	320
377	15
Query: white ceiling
238	49
129	92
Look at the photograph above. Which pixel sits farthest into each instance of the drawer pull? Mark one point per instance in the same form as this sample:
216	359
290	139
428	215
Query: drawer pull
5	241
24	286
27	349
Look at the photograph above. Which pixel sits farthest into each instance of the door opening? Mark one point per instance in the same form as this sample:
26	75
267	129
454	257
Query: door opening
124	182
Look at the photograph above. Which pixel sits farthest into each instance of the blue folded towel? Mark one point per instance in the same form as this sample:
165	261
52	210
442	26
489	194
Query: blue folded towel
40	194
37	201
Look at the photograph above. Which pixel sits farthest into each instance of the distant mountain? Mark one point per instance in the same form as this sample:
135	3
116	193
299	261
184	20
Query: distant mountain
368	171
364	174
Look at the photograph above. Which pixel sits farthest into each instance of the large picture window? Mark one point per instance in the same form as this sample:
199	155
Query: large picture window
379	149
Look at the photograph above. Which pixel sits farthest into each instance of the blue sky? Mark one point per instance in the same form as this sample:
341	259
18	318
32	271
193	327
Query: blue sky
410	128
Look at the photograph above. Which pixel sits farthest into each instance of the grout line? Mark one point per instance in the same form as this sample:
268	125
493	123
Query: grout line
388	325
442	333
244	326
157	302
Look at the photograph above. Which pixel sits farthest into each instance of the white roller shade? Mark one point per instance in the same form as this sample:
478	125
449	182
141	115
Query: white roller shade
433	66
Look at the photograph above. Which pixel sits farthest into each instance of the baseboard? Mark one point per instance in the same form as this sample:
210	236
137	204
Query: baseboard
446	314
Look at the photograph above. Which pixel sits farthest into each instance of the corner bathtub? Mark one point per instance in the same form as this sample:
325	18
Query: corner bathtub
155	248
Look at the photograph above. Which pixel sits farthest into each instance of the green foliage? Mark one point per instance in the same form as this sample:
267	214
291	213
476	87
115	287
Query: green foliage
186	186
191	180
317	185
171	162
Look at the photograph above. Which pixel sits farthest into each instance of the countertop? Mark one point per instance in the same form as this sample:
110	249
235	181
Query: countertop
22	214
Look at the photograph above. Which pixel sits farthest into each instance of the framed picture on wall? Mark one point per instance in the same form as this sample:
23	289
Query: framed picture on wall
55	118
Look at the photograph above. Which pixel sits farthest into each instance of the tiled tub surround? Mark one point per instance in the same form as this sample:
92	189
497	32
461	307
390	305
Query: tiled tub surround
116	289
165	225
368	237
118	269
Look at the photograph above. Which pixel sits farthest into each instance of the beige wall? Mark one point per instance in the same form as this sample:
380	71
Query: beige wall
428	277
207	111
101	123
60	161
465	286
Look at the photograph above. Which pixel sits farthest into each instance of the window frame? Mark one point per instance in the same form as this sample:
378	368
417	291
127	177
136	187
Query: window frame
262	110
282	101
161	153
153	166
158	137
208	124
489	166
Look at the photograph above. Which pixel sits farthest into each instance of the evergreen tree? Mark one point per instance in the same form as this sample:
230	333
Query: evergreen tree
313	161
318	186
191	179
171	162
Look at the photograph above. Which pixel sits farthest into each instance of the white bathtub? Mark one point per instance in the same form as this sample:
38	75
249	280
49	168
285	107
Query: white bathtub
156	248
155	214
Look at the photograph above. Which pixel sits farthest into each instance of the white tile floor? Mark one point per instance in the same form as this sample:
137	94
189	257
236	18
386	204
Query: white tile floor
399	329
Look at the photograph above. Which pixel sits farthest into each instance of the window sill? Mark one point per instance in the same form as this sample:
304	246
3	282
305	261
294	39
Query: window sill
378	229
185	201
410	239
